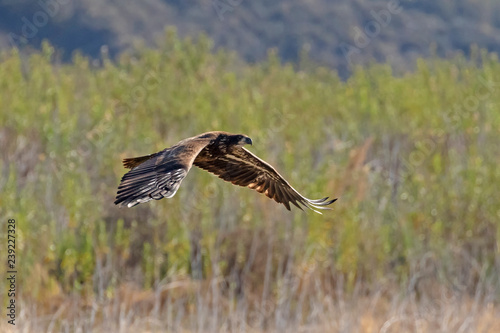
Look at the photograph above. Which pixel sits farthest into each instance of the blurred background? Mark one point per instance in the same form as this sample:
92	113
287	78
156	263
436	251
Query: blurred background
387	105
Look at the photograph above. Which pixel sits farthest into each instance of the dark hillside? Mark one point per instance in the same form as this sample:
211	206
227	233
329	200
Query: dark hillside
329	29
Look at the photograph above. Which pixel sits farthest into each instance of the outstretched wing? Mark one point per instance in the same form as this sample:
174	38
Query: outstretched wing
155	176
241	167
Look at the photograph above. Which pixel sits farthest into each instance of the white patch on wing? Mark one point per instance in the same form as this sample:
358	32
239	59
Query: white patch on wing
172	192
138	201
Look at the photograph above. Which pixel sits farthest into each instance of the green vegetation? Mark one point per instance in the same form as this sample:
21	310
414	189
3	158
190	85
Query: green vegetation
413	159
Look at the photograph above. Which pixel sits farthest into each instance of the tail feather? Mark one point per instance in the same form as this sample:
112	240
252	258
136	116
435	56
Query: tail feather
132	162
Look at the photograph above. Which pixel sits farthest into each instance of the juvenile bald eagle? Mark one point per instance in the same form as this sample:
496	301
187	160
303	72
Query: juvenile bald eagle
159	175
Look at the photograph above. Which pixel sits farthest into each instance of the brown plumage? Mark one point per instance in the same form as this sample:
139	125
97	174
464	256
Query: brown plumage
159	175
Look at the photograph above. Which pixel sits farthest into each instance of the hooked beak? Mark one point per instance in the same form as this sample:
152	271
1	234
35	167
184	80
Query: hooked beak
248	141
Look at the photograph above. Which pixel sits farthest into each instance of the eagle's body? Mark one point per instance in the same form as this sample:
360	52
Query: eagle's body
159	175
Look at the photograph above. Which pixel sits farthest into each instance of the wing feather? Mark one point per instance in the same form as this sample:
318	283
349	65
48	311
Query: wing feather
240	167
158	175
270	190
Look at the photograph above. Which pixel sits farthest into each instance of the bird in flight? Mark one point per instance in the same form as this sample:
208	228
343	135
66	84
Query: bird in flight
159	175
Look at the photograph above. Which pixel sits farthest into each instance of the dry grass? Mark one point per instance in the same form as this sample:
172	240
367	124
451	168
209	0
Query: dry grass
190	306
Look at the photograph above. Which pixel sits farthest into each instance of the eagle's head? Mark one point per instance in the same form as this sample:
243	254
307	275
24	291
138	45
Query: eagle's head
243	140
236	139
